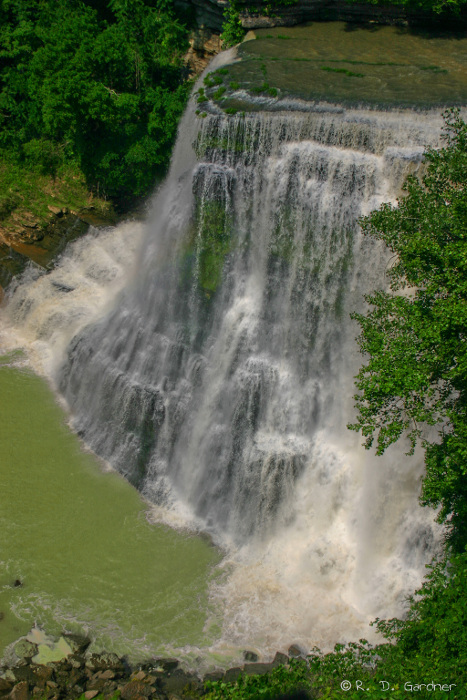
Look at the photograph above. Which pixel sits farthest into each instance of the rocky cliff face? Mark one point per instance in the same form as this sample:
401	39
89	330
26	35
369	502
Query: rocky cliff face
209	13
306	10
204	45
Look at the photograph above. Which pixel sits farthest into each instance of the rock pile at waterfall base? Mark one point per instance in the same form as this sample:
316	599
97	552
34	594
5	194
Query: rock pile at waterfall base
107	676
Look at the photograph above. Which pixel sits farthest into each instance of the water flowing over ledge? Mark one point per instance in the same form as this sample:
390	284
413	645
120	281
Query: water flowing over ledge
220	380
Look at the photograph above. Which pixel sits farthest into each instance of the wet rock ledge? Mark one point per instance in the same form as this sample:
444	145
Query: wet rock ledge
42	243
105	675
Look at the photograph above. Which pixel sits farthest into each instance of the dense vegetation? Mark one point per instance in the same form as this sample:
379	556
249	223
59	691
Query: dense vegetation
435	6
232	30
416	375
96	83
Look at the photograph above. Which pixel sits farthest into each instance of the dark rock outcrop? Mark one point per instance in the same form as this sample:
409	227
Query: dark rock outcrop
209	13
296	651
250	656
204	45
104	674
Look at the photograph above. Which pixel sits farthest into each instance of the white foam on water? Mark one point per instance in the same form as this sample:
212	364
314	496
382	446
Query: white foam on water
45	309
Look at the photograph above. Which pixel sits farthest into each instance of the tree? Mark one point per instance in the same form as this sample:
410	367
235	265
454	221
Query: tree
415	379
437	7
232	30
432	641
98	83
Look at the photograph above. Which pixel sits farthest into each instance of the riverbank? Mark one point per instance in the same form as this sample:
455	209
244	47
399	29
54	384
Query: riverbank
38	672
40	214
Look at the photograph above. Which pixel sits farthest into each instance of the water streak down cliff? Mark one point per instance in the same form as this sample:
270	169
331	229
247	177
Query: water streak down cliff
221	382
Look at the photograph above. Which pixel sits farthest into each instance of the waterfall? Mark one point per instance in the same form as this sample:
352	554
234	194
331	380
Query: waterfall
214	379
220	380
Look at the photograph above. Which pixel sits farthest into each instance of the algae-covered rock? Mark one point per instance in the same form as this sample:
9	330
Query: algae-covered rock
76	661
213	676
25	649
50	653
178	681
167	664
232	674
77	642
296	651
103	661
280	659
24	673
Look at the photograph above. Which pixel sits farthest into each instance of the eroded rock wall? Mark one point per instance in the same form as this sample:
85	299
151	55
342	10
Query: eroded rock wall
209	13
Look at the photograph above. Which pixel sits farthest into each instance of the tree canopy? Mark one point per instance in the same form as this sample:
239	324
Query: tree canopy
449	7
415	335
95	81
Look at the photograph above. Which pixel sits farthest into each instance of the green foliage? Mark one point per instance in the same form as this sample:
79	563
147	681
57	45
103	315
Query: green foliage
416	375
282	679
114	696
435	6
26	191
430	647
43	155
398	670
8	203
232	30
218	93
432	641
213	244
343	70
102	86
433	69
265	89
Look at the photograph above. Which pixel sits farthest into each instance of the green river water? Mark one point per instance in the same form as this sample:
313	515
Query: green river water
77	537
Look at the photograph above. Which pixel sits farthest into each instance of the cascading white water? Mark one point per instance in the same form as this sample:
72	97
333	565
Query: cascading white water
220	382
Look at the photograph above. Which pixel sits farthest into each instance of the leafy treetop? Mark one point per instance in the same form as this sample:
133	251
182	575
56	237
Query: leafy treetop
435	6
101	83
416	335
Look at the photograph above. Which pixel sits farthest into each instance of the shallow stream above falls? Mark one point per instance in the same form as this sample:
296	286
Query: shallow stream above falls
348	64
208	356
